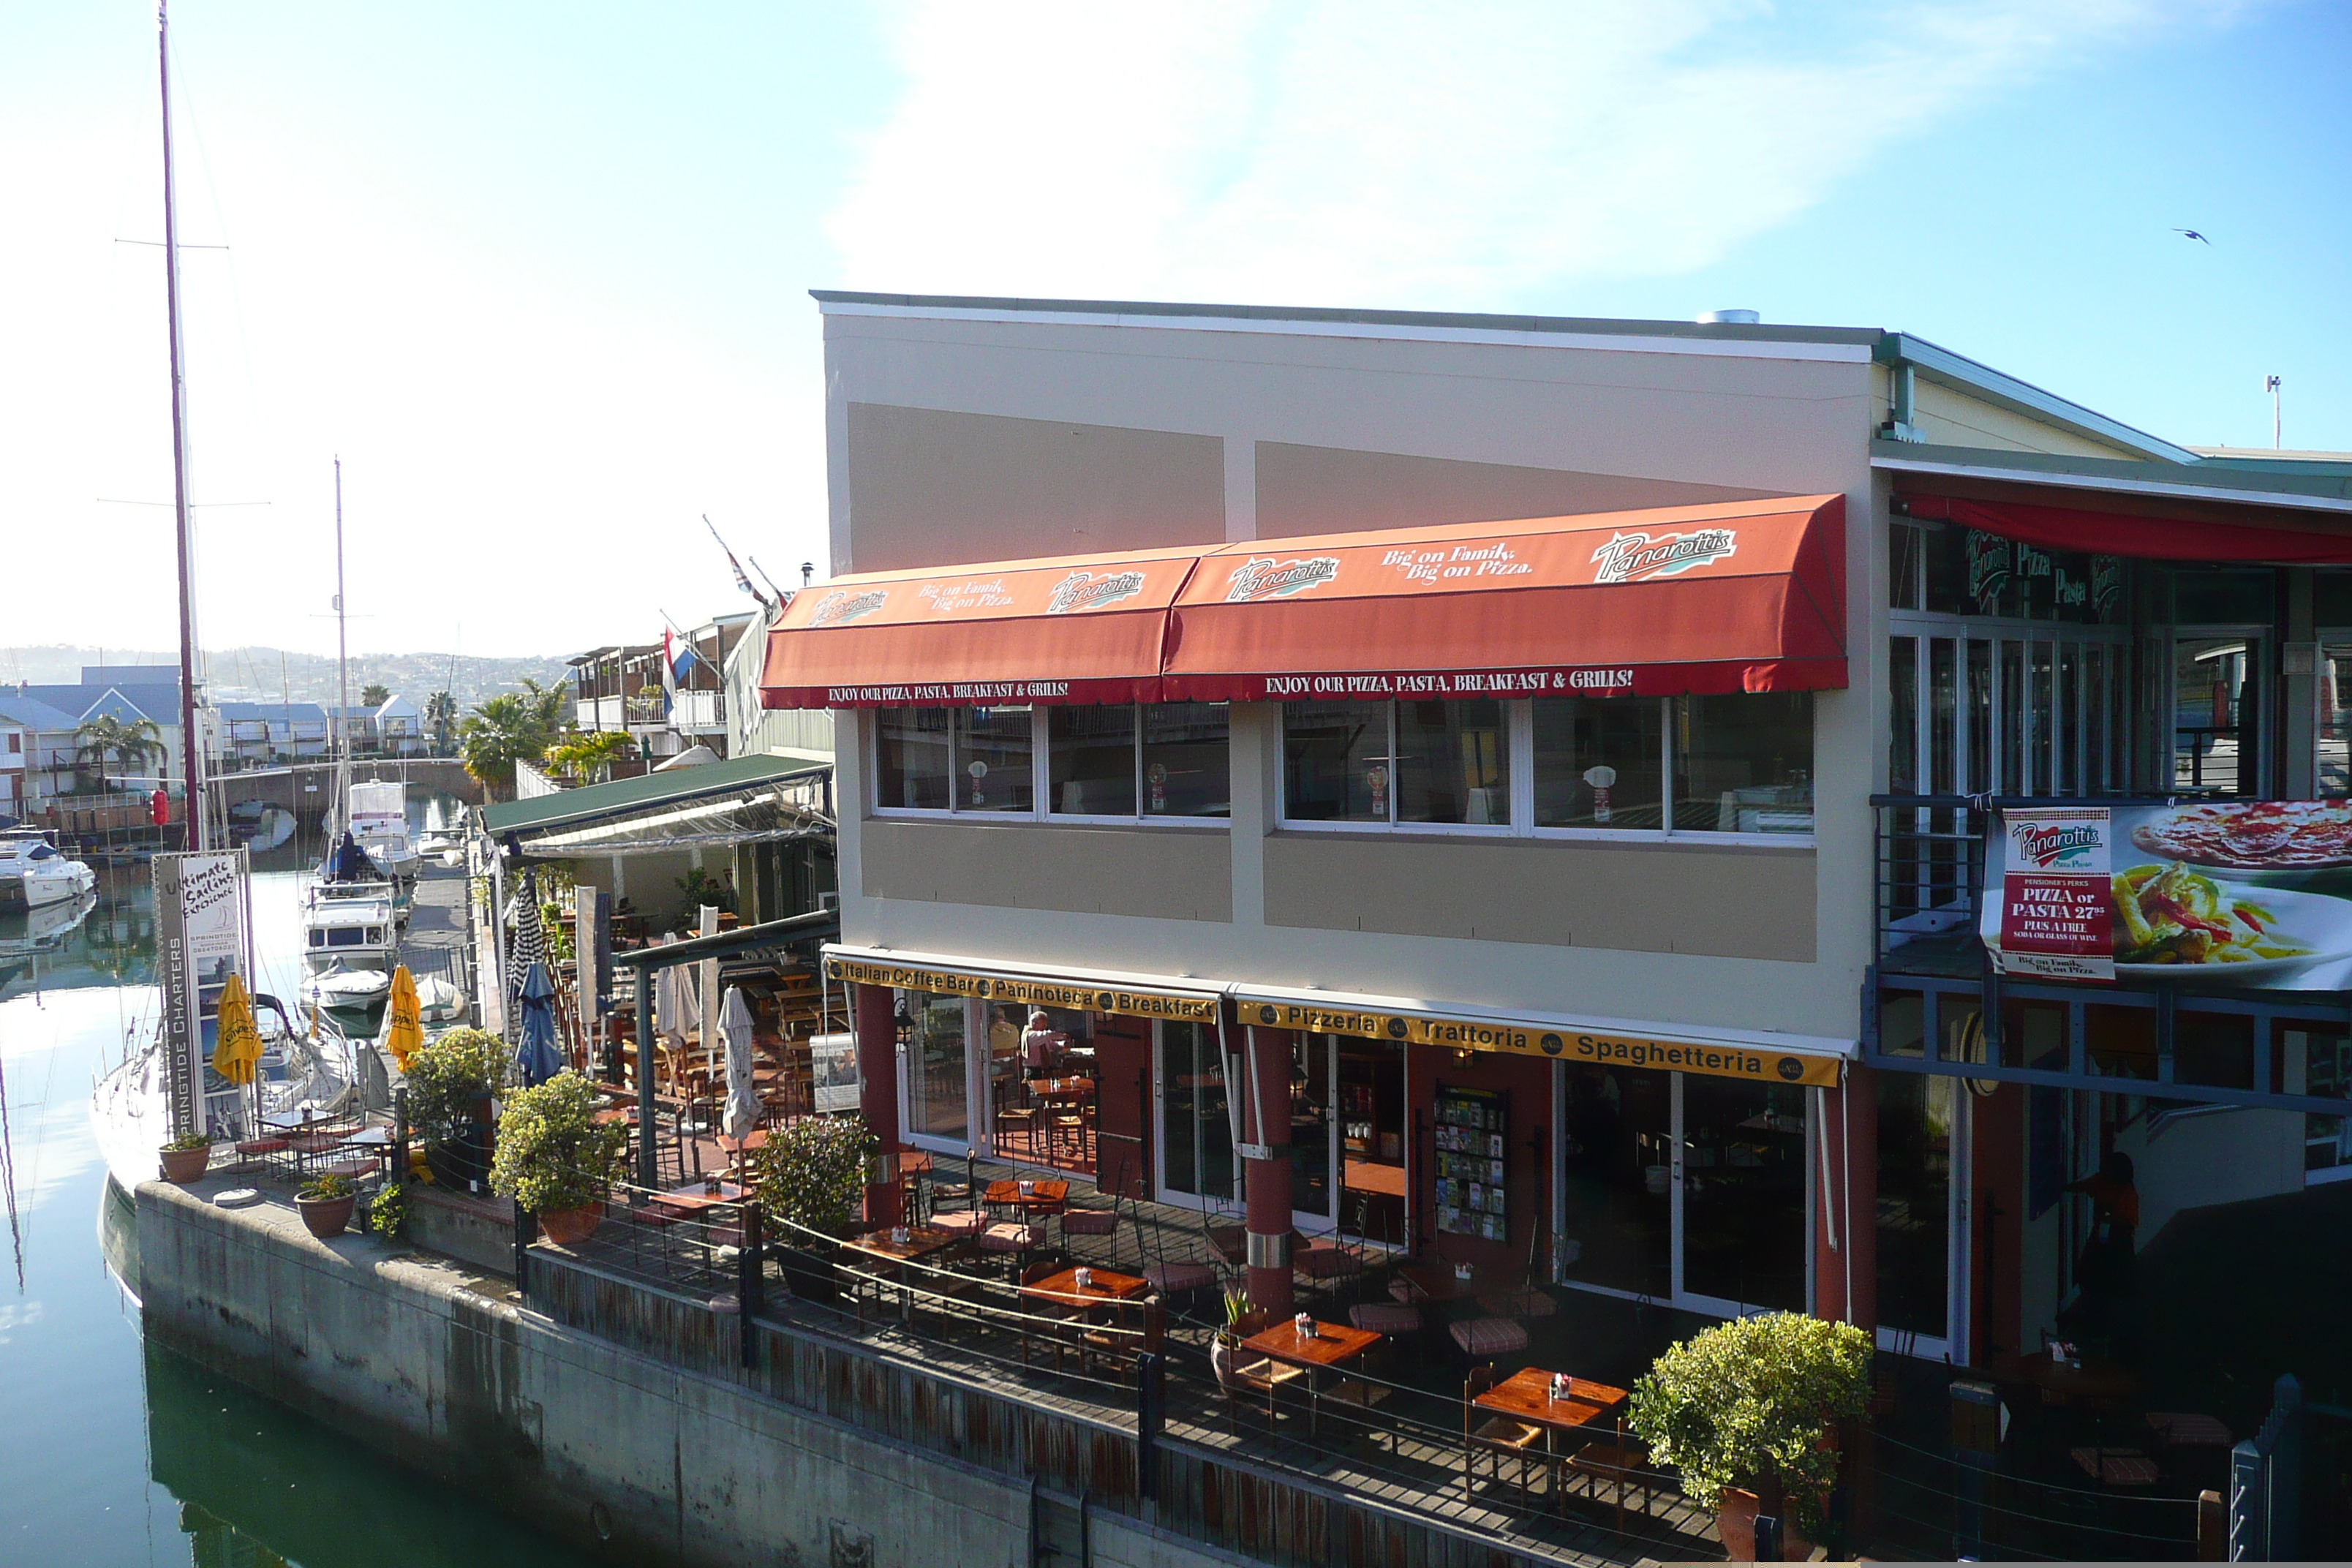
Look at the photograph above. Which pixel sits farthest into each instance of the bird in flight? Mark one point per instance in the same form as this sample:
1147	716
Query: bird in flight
2193	235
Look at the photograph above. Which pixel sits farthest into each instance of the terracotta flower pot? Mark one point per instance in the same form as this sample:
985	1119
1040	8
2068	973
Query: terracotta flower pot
182	1166
1735	1521
327	1218
570	1228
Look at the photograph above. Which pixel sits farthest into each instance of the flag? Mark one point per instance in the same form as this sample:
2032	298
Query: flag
742	580
670	677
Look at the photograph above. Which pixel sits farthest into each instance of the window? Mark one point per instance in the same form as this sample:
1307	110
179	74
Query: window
1742	763
1166	760
1599	761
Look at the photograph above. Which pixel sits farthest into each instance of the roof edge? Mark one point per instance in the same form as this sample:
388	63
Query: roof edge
2003	390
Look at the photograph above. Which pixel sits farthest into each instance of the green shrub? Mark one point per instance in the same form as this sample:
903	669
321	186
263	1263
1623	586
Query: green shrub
811	1173
330	1185
552	1153
1750	1403
388	1212
188	1142
448	1077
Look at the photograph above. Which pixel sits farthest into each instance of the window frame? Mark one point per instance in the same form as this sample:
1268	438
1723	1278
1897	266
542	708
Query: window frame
1519	722
1040	777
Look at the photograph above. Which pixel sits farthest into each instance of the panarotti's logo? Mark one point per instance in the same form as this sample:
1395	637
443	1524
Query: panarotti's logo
841	606
1084	591
2050	848
1633	557
1263	577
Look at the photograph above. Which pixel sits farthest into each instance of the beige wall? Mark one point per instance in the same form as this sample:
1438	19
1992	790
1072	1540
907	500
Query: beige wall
1724	902
1325	430
1946	416
932	487
1328	490
1157	873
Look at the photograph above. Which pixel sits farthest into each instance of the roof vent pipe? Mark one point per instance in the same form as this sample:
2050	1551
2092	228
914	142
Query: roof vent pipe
1729	319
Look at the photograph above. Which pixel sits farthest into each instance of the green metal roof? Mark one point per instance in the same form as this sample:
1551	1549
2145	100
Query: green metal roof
654	789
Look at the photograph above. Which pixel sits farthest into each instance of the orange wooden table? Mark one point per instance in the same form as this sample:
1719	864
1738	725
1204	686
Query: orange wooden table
1330	1345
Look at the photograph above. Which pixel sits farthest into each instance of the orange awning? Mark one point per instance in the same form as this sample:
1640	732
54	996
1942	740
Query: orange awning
1740	596
1745	595
1078	629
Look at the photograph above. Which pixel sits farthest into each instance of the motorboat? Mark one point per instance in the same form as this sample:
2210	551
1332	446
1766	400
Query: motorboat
379	823
439	1001
304	1075
34	871
348	942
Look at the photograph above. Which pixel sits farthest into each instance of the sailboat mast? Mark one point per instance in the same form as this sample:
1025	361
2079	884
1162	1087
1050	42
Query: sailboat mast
190	743
342	651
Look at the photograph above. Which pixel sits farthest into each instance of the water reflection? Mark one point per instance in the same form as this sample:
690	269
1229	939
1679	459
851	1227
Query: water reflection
103	940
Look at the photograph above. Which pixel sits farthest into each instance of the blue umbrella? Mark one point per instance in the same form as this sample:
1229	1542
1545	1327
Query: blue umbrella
536	1060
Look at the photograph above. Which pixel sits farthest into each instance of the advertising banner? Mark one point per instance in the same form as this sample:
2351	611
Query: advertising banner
833	1070
2253	893
200	941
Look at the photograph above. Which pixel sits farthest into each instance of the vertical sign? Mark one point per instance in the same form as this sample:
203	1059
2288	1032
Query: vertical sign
592	949
2057	907
199	941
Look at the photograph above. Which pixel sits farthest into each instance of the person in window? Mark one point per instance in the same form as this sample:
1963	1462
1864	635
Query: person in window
2108	1266
1041	1042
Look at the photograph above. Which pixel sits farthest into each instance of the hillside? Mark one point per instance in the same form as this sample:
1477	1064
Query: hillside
270	675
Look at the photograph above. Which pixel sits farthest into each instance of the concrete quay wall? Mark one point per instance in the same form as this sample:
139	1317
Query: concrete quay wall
648	1459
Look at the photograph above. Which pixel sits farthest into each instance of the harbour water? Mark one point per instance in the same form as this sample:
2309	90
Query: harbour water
111	1453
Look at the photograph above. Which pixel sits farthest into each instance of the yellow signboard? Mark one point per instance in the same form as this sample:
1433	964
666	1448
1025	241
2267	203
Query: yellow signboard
1025	992
1759	1062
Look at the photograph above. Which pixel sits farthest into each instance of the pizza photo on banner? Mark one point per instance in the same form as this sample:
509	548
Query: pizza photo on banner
2256	893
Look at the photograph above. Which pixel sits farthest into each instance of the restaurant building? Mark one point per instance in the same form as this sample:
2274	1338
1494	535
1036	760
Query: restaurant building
1520	791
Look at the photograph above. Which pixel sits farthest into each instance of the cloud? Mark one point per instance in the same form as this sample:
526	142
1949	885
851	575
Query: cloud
1393	153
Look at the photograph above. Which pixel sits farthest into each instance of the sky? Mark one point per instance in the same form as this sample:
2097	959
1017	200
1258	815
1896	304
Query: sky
538	274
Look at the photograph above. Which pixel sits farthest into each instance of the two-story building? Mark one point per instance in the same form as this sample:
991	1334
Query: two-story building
1520	790
257	734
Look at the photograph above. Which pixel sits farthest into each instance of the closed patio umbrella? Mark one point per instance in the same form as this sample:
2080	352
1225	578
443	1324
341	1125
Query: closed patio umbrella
403	1031
735	1028
236	1048
536	1060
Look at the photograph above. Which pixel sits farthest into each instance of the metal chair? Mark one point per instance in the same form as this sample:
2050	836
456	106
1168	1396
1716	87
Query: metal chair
1496	1439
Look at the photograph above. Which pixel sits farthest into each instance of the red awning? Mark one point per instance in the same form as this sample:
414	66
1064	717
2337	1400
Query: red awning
1079	628
2131	535
1745	595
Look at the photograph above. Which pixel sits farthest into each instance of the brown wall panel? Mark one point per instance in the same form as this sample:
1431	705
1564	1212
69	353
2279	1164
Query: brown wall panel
1158	873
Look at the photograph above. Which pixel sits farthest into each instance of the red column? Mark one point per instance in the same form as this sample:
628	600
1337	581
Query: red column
1266	1184
1847	1205
878	1093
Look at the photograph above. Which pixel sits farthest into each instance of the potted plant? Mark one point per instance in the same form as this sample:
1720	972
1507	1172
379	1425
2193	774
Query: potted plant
1747	1412
185	1159
387	1212
555	1159
810	1177
450	1083
326	1204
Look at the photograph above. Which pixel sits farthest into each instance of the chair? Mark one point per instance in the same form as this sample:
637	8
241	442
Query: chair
1322	1262
1056	1311
1012	1241
1244	1374
1623	1464
1526	1303
1119	1351
2116	1467
1390	1318
1484	1338
1496	1438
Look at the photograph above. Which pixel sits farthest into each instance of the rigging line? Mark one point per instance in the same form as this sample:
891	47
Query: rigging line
8	1183
159	245
193	506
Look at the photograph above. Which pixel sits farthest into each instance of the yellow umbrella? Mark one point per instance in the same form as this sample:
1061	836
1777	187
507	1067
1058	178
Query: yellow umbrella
403	1034
238	1050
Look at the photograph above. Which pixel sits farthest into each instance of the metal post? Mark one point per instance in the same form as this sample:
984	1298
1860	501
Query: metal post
1768	1539
750	1284
2249	1505
648	1169
1150	1412
525	1231
1976	1441
2285	1529
400	1134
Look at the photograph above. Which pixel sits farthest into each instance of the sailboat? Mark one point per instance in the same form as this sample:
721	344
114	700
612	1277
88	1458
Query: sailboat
303	1073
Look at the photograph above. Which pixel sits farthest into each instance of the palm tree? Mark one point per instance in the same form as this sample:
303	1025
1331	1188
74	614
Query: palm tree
441	716
130	742
374	694
546	704
593	752
498	734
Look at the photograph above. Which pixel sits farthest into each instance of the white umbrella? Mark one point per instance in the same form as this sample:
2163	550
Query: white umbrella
678	1012
735	1028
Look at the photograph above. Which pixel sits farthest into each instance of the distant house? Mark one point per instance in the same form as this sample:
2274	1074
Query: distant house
254	734
400	728
129	692
48	743
12	769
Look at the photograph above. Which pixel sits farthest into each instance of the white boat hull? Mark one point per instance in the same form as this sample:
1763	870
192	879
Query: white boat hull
31	889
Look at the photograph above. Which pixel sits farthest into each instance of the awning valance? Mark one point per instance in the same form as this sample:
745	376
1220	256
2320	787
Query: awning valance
1136	995
1078	628
1745	595
2136	535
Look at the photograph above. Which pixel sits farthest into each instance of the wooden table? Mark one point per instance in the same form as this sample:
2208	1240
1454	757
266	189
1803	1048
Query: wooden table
1061	1087
1105	1288
1330	1344
1437	1282
1041	1195
922	1242
2093	1379
1365	1177
1525	1395
696	1196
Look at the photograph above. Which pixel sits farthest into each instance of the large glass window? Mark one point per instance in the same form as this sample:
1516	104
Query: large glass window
1599	761
1090	760
1452	762
911	758
1743	762
1186	771
931	1028
1335	762
2217	715
992	756
1915	1117
1196	1128
2335	771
